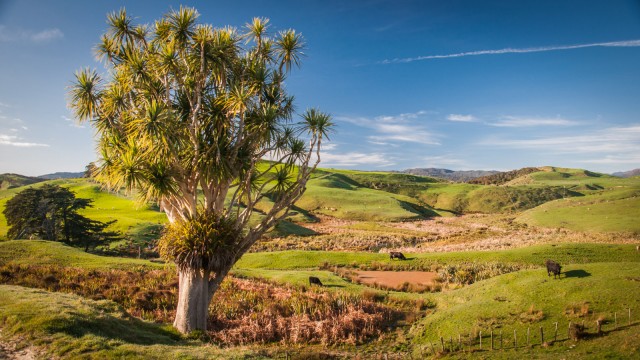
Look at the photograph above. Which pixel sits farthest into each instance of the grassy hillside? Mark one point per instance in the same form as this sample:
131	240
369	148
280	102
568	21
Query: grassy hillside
340	196
133	220
65	326
40	252
529	299
10	181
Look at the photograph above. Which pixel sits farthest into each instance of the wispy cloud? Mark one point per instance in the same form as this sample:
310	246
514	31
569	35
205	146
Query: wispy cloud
356	159
461	118
400	127
611	142
21	35
521	121
72	122
442	160
625	43
12	140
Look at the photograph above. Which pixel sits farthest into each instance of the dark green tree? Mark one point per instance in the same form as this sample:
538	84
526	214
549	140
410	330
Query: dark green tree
51	213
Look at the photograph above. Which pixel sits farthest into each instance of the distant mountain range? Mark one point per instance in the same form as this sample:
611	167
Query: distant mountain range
452	175
626	174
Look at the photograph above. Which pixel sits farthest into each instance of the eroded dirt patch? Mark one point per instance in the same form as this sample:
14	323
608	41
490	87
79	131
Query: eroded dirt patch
393	279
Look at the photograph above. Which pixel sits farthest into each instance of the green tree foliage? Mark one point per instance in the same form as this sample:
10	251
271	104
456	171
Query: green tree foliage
186	116
51	213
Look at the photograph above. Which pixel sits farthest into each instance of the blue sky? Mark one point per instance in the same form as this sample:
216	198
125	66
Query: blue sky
454	84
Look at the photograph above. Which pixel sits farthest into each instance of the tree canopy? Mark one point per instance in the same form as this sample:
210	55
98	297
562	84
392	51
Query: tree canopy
50	212
198	119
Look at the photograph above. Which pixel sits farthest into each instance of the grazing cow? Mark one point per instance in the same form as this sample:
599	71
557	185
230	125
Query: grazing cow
553	267
397	255
314	280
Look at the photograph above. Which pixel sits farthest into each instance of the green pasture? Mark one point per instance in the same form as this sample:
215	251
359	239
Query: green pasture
529	299
527	256
41	252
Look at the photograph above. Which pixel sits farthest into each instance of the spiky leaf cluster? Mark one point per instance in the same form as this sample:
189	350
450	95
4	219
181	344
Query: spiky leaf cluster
186	112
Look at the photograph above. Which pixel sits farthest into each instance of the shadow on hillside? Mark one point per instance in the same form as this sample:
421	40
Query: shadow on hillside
576	273
127	329
334	286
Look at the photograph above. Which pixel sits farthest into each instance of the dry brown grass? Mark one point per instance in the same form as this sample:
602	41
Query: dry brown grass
463	233
242	312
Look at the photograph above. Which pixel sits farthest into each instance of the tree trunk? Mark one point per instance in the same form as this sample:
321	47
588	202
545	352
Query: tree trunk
193	301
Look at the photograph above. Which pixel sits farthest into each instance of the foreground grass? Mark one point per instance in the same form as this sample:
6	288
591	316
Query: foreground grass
529	299
70	327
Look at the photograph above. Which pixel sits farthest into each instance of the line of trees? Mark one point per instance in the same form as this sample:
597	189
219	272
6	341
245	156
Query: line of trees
51	213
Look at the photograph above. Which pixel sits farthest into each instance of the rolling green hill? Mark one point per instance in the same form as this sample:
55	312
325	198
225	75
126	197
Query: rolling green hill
10	181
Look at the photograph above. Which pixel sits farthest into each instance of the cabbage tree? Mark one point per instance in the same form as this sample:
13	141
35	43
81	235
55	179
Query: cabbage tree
198	119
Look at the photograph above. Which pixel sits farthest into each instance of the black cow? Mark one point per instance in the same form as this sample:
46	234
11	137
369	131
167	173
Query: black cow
314	280
397	255
553	268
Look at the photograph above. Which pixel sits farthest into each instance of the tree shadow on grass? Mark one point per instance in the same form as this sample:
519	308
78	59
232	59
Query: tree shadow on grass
127	329
576	273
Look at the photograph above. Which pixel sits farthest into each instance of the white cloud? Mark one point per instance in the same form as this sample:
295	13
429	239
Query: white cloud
20	35
518	121
441	160
12	140
72	122
461	118
612	142
400	127
355	159
47	35
625	43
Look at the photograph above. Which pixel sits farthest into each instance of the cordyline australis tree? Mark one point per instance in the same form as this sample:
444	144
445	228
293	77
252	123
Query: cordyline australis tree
186	116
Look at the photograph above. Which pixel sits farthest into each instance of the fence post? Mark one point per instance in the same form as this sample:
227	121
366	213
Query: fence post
598	327
569	330
541	336
500	339
555	334
615	320
528	329
491	339
480	336
442	342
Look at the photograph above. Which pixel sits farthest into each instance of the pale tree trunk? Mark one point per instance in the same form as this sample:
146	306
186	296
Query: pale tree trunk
193	301
195	291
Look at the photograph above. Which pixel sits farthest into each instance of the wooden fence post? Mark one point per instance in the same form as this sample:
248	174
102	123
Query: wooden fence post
541	336
491	339
615	320
569	331
555	334
598	327
528	329
442	342
480	336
